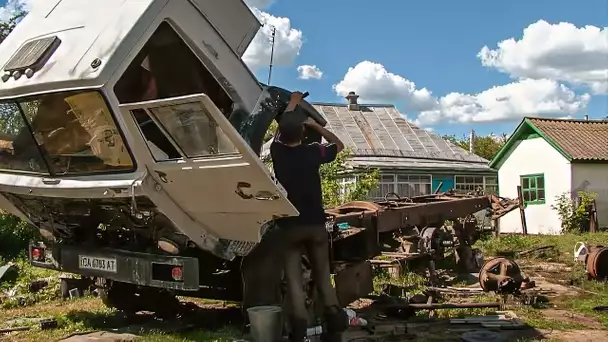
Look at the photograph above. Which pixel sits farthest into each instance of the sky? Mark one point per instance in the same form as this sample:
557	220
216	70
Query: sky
449	66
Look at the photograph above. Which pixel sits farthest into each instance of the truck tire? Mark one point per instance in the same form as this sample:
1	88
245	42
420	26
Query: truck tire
130	298
120	296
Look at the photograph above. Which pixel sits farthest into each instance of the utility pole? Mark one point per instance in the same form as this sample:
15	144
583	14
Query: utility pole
274	33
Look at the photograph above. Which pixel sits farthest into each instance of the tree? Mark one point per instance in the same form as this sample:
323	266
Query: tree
485	147
7	27
336	191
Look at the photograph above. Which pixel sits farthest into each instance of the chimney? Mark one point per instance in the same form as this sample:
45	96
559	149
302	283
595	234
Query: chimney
471	141
586	117
352	101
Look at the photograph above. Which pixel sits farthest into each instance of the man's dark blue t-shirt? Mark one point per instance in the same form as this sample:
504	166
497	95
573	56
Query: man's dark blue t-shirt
297	169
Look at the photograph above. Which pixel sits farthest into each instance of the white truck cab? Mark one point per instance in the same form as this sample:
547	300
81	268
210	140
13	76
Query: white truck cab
130	132
136	100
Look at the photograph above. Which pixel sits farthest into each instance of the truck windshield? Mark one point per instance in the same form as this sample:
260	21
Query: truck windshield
61	133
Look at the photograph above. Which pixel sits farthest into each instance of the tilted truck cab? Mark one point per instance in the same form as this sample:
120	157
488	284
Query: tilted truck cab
129	136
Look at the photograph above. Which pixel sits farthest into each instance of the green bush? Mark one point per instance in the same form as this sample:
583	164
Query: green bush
572	214
15	236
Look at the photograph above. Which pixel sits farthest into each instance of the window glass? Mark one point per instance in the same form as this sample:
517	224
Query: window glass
194	130
533	190
18	149
77	133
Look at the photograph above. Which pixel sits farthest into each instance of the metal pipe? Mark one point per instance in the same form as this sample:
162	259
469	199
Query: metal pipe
435	306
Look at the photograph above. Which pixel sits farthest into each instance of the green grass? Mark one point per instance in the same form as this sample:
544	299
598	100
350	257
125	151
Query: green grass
564	245
88	314
562	253
20	286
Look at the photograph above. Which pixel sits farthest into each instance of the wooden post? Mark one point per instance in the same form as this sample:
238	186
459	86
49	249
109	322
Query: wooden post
593	217
522	211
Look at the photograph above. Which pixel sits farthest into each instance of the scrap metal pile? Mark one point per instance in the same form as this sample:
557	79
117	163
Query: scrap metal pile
393	231
421	225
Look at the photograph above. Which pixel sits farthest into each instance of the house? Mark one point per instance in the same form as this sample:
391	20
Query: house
549	157
412	161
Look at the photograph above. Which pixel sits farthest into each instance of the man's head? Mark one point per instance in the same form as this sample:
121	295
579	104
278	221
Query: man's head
291	133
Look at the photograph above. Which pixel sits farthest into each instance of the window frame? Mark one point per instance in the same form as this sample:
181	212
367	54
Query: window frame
484	183
19	100
395	183
536	188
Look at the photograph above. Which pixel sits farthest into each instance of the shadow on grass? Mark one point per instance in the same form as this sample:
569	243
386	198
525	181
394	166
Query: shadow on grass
191	318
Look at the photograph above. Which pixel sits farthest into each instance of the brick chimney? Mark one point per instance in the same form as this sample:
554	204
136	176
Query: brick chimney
352	101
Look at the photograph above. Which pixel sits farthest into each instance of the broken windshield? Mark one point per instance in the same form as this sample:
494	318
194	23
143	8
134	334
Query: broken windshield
62	133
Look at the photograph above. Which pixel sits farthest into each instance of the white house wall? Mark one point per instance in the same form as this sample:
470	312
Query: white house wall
593	178
534	156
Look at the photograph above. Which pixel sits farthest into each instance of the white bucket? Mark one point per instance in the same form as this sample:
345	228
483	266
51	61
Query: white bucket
580	251
266	323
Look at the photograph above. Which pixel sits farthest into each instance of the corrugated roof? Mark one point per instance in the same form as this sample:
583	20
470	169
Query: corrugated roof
380	130
580	139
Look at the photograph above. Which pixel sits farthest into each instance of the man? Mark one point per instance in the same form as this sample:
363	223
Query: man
296	166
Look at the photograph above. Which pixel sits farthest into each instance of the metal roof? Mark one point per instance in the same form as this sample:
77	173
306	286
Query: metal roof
580	139
381	131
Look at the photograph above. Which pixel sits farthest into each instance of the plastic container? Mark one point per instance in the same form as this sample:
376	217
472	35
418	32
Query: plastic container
266	323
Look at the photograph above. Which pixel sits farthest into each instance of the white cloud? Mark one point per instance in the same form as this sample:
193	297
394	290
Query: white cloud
527	97
288	41
307	72
373	83
562	52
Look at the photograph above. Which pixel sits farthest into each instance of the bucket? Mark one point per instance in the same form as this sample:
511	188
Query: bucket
266	323
580	251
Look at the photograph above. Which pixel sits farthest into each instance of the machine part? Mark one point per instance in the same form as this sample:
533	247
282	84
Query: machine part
436	306
434	241
501	275
353	282
597	264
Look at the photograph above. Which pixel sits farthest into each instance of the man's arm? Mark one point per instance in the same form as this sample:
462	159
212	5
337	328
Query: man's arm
329	136
294	101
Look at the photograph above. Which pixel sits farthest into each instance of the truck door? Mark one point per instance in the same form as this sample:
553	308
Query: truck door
207	168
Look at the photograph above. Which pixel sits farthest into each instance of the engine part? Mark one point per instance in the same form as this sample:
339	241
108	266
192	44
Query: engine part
501	275
434	241
597	264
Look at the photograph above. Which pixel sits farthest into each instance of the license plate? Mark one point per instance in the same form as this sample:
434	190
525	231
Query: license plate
97	264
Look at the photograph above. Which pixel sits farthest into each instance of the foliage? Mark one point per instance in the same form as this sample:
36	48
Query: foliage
15	236
18	290
574	214
335	192
485	147
7	27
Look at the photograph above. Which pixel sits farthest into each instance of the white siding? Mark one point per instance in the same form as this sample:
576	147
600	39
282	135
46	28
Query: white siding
534	156
593	178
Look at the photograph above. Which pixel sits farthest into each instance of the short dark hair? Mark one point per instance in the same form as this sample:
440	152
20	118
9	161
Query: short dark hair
291	133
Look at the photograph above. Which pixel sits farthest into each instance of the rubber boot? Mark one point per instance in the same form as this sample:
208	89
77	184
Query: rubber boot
298	331
336	320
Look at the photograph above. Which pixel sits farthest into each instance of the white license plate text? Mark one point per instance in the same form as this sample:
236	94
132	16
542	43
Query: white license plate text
98	264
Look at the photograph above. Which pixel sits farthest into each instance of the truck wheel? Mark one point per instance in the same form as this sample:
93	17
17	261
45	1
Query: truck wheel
130	299
121	296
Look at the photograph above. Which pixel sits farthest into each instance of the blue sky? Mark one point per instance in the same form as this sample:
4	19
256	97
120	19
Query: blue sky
435	45
426	57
